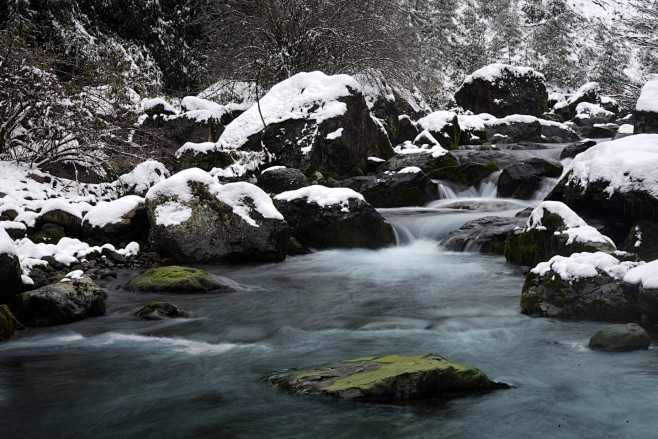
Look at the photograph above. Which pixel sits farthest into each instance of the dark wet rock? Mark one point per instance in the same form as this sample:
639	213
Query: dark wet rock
6	323
279	180
10	274
14	229
646	122
66	218
509	90
295	248
160	311
48	234
557	132
469	174
547	234
407	130
425	161
230	222
646	111
643	240
393	189
176	279
59	303
620	338
388	378
502	159
600	131
514	129
350	222
571	151
203	156
522	179
117	221
484	235
113	256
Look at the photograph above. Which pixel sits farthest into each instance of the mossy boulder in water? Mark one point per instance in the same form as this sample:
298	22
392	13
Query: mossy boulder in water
387	378
6	323
627	337
160	311
59	303
176	279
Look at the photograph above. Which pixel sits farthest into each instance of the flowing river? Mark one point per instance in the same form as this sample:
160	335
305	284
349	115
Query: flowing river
121	377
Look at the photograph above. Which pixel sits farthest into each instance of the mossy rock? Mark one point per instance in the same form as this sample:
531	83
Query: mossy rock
295	248
387	378
160	311
469	174
620	338
533	246
6	323
600	298
59	303
176	279
643	240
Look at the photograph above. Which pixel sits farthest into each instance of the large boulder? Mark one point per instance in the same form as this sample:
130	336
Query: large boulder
644	280
553	229
514	129
194	218
322	217
484	235
141	178
176	279
443	126
10	268
472	130
522	179
6	323
620	338
468	174
646	110
387	378
407	187
503	90
587	93
204	155
614	182
279	179
417	158
59	303
583	286
311	122
121	220
61	213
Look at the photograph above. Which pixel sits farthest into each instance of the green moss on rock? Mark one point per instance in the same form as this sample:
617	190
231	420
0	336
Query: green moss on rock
6	323
176	279
386	378
620	338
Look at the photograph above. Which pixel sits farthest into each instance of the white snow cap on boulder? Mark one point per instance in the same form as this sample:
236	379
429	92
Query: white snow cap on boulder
648	100
149	104
584	265
576	228
178	189
311	95
645	275
111	212
321	195
626	164
7	246
493	72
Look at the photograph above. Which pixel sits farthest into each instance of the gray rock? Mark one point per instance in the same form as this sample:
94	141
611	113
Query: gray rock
280	180
161	311
522	179
393	189
620	338
10	276
59	303
484	235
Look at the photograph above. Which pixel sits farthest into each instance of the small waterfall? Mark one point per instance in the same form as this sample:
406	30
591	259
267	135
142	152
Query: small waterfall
487	188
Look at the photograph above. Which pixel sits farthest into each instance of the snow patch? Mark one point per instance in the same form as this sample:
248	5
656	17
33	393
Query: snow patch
646	275
584	265
112	212
322	195
493	72
648	100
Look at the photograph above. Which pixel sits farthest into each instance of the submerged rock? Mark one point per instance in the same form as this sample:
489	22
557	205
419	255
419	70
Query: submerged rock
160	310
388	378
620	338
176	279
62	302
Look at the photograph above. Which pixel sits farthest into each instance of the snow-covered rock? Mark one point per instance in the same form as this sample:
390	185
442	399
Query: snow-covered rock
502	90
582	286
157	106
300	114
322	217
646	110
554	229
443	126
192	217
141	178
116	221
615	182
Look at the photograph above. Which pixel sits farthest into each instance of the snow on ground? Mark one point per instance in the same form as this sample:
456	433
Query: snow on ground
648	100
575	227
645	274
311	95
584	265
322	195
626	164
111	212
